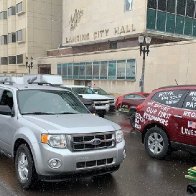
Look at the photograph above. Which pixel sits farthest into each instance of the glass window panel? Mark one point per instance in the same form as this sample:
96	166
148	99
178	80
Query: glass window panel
70	70
130	69
19	59
82	71
152	4
161	18
4	60
95	70
179	24
112	70
181	7
190	8
103	70
188	26
76	70
11	11
170	23
19	35
128	5
19	7
194	27
89	72
12	59
151	17
59	69
121	65
162	5
171	4
64	70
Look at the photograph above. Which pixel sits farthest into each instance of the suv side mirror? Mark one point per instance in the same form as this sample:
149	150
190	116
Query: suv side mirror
6	110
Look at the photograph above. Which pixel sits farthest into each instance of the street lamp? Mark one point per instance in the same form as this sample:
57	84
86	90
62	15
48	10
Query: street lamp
29	64
144	43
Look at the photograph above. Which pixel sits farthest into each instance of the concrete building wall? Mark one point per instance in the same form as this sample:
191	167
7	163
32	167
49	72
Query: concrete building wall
165	65
93	21
41	24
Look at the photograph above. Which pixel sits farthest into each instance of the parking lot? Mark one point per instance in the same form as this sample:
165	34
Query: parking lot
138	175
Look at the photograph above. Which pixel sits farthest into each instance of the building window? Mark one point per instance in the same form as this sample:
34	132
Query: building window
12	59
19	7
113	45
64	69
4	60
121	65
128	5
95	70
3	15
11	37
152	4
190	8
130	69
20	59
112	70
171	6
3	39
162	5
181	4
89	71
59	72
103	70
70	70
76	70
19	36
99	70
11	11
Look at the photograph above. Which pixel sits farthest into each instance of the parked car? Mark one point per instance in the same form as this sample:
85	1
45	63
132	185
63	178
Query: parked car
101	102
50	135
129	96
167	120
129	102
110	97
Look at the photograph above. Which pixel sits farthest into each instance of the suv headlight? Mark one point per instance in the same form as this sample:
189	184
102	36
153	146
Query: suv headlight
55	141
119	136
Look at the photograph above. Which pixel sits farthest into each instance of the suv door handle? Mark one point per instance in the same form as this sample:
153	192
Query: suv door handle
177	116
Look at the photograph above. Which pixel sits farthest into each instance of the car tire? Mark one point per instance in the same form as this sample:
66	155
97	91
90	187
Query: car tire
156	143
132	120
25	169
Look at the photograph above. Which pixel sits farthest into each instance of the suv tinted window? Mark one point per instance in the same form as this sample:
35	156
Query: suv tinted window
132	96
190	101
171	98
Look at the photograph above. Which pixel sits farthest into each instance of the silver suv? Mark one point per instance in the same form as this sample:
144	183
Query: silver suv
51	135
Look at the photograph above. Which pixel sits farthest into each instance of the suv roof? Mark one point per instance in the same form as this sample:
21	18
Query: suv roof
28	86
191	86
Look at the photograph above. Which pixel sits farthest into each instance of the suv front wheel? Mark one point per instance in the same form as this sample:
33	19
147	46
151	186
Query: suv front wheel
156	143
24	166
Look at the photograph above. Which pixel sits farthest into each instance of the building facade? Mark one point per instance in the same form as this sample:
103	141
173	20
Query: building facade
27	29
99	42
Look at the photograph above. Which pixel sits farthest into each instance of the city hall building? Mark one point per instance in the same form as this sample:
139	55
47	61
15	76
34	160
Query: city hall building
99	44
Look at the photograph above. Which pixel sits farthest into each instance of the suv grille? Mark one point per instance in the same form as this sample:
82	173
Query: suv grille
94	163
93	141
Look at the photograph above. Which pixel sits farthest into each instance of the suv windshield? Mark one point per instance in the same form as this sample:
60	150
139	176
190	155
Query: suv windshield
83	90
49	102
99	91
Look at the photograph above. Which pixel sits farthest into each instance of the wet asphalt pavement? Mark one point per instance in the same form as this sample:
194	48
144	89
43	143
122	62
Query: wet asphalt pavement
138	175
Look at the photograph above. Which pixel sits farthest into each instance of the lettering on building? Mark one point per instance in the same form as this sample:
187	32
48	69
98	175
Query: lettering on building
96	35
75	19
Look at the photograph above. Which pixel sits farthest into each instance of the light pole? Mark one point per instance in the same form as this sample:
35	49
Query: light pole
29	64
144	43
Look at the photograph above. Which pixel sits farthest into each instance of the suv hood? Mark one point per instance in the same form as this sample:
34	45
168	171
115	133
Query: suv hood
94	96
71	123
